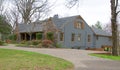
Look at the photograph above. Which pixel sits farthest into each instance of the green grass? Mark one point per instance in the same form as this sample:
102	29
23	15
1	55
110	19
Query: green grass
22	60
107	56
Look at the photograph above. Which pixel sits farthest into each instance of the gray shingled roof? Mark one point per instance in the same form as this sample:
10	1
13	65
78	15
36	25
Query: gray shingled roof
100	32
30	28
60	22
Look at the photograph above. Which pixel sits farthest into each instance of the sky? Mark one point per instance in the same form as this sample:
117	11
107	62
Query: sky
91	10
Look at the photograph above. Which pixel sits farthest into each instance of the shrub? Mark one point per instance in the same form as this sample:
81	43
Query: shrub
39	45
58	45
12	37
1	43
39	36
36	42
23	42
50	36
47	43
33	42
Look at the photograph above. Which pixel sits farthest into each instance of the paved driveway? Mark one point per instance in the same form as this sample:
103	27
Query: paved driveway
79	58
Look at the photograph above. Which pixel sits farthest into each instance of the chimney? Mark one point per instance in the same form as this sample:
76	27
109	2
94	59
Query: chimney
56	16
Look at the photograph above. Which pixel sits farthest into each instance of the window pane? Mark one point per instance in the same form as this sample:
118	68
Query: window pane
79	37
61	36
73	37
97	37
89	37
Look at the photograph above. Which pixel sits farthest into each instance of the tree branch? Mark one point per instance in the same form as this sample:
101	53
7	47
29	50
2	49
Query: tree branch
118	12
116	5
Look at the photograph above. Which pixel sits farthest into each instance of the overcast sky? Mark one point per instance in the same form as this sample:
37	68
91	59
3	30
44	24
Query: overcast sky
91	10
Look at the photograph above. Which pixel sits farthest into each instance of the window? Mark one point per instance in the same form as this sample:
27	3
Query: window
89	38
79	37
110	38
61	36
75	25
73	37
82	25
79	25
97	37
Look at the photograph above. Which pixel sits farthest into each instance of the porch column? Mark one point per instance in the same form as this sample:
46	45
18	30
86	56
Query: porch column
25	37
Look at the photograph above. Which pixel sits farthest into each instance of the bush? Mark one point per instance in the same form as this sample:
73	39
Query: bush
36	42
47	43
50	36
12	37
39	36
23	42
58	45
39	45
1	43
33	43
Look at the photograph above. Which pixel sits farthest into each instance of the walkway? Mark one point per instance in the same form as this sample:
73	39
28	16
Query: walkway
79	58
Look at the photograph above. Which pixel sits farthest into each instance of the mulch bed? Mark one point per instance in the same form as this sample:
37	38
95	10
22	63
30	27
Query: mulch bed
108	53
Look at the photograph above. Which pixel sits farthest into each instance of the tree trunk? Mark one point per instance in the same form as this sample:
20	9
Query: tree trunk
114	29
30	36
17	33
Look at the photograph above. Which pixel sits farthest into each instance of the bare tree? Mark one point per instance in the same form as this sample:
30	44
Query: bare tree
12	17
107	28
1	6
71	3
49	26
31	11
114	14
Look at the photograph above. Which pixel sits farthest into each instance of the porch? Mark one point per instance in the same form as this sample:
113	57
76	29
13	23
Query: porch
26	36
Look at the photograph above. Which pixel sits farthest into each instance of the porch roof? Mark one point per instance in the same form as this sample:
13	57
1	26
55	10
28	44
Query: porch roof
100	32
30	28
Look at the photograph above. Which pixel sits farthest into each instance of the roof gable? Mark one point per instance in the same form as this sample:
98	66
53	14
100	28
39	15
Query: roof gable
61	22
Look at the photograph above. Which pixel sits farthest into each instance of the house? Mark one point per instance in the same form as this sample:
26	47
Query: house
102	38
71	32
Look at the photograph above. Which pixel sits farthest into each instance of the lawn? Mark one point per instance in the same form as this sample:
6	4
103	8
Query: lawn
107	56
22	60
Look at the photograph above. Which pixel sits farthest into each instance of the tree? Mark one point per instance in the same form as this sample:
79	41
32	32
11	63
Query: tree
30	11
1	6
5	27
98	25
49	27
107	28
114	14
71	3
14	16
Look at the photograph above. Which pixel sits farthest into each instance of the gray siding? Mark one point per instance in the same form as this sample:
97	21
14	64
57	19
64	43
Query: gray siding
83	43
103	41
